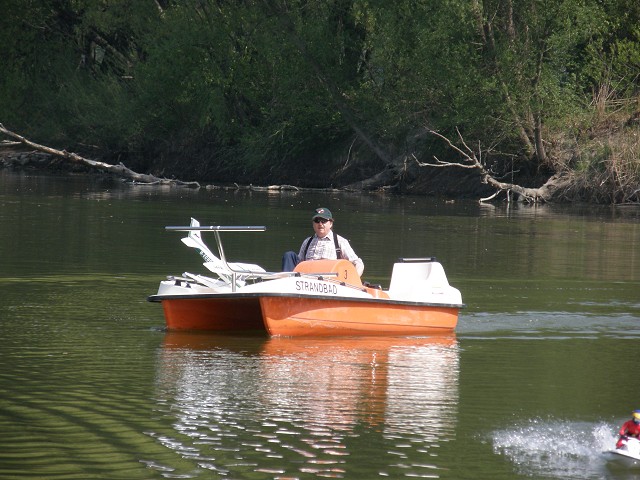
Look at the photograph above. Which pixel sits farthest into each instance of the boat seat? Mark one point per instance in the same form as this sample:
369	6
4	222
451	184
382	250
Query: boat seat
420	281
346	272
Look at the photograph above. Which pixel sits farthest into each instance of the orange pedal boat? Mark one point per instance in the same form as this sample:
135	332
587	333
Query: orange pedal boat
319	298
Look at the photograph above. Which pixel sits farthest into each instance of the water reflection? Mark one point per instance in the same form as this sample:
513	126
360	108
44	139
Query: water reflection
305	406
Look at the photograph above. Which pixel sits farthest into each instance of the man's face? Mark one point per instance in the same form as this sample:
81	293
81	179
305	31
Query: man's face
322	226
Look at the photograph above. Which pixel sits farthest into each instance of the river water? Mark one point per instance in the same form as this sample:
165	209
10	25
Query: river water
534	384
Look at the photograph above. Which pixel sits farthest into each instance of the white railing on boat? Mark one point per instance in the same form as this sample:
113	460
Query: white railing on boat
218	228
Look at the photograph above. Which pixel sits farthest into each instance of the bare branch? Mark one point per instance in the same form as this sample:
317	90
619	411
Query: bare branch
472	160
490	197
118	170
441	163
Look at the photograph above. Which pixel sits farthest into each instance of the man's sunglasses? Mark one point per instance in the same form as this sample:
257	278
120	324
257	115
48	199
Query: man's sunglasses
320	220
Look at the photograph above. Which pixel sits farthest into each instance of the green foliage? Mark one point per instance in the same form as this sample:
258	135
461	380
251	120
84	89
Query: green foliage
255	89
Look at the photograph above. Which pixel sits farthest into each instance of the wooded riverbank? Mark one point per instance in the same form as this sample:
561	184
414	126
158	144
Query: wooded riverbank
463	179
540	100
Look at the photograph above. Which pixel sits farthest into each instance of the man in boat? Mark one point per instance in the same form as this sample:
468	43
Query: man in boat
324	244
630	428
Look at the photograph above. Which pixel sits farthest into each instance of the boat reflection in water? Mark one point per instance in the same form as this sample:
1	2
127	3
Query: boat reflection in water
292	406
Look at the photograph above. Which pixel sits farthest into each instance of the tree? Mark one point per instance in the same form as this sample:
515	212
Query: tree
323	92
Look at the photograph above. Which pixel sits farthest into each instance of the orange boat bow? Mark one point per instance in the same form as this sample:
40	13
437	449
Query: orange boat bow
223	314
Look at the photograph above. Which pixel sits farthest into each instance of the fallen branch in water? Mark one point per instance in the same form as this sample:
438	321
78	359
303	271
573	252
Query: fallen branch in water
119	170
473	160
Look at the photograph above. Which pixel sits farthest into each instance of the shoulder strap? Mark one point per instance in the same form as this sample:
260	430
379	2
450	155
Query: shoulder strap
338	249
306	248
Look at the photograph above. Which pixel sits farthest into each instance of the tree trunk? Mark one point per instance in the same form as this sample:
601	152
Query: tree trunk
331	87
119	170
